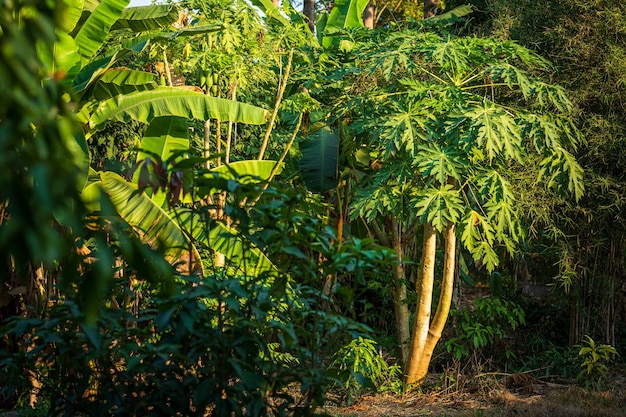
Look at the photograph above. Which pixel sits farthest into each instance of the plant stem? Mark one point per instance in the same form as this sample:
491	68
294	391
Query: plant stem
279	98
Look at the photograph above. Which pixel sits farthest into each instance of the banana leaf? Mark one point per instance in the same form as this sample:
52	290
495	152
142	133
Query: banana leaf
455	13
91	72
163	137
114	82
152	223
144	106
246	172
144	18
345	14
319	162
242	253
270	10
95	29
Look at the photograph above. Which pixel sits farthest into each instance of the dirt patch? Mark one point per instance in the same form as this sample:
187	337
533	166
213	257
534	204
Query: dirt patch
536	400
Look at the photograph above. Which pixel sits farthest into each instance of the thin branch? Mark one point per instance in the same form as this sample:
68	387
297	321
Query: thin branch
281	91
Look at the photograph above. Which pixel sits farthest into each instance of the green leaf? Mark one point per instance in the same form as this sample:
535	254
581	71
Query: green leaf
242	253
439	163
439	205
456	13
247	172
68	14
563	172
95	30
318	165
91	72
171	101
151	222
114	82
497	131
475	229
271	11
345	14
145	18
164	136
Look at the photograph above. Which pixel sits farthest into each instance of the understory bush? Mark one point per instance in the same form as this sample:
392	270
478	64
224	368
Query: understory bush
224	345
481	331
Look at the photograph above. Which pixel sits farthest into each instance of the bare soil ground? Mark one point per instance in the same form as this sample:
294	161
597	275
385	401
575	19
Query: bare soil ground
534	399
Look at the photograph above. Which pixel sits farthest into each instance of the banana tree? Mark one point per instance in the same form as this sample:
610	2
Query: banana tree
445	120
106	93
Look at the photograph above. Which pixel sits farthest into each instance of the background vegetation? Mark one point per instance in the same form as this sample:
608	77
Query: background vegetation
205	207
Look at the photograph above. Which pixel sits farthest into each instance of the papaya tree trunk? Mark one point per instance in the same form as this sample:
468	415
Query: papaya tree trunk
424	288
399	291
400	295
443	307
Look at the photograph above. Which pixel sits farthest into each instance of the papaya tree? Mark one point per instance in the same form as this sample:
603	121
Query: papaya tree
437	124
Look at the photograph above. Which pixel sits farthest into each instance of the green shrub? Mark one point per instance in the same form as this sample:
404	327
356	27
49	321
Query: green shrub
360	364
595	359
222	344
480	328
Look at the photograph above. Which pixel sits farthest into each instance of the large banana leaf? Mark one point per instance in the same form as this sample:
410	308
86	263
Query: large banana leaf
242	254
96	28
164	136
270	10
144	18
246	172
153	224
318	165
455	13
158	227
345	14
68	14
114	82
91	72
171	101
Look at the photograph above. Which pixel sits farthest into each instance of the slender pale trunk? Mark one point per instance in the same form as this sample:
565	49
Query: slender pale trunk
279	98
424	288
207	143
443	307
400	305
368	15
229	136
168	73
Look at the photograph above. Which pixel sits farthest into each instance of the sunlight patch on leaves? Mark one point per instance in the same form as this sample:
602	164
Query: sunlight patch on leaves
439	163
438	206
497	131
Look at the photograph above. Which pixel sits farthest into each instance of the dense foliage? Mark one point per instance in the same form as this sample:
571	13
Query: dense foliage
202	202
